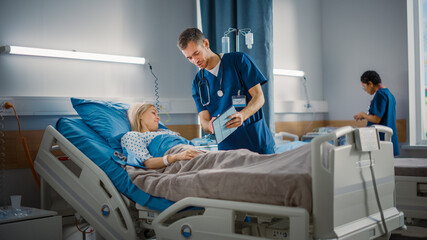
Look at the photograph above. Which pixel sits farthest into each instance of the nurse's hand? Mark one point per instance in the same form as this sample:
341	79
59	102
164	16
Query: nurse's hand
359	116
210	127
236	120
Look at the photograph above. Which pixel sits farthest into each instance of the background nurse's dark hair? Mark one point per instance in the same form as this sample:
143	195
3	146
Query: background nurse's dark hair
190	34
370	76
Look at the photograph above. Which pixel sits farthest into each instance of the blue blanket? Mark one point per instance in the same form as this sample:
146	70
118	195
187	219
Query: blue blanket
157	148
160	144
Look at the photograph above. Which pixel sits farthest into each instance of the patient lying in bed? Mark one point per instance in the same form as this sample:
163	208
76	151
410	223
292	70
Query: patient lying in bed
145	134
241	175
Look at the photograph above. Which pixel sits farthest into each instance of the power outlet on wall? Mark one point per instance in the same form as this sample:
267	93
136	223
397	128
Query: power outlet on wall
3	101
308	107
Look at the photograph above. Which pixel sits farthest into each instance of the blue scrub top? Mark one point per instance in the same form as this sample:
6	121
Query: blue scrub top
384	106
238	72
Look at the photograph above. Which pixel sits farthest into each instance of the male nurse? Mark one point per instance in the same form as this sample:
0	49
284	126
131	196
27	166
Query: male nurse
226	80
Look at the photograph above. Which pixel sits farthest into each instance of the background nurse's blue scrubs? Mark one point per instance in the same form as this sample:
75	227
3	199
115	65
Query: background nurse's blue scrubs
239	75
382	109
383	105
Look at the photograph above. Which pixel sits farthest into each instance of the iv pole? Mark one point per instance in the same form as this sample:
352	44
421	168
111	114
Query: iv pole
249	39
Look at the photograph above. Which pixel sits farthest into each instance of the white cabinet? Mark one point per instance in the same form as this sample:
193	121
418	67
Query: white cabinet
34	224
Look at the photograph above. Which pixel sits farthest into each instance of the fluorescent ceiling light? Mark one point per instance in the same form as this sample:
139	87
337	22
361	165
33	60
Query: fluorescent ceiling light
70	54
290	73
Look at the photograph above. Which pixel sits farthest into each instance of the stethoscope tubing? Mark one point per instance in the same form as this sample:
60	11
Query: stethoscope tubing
207	84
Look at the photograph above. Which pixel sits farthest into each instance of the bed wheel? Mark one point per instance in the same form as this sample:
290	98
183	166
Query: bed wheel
149	234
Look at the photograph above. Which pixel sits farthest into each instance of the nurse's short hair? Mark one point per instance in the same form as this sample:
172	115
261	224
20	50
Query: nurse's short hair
370	76
190	34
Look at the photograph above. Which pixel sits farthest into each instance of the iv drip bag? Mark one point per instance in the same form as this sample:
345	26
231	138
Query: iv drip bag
225	44
249	39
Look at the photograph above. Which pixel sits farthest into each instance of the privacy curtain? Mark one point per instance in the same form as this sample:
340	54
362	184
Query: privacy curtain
220	15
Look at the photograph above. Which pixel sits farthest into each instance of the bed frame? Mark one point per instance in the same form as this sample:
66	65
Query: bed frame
412	197
411	188
344	202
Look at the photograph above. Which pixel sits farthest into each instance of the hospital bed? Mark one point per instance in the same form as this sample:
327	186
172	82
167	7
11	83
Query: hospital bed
344	200
411	187
286	141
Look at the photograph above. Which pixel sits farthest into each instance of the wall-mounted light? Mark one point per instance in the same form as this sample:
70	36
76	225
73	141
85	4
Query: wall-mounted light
295	73
70	54
290	73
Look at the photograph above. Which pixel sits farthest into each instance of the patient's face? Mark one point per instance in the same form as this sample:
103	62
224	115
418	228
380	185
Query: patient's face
150	120
197	54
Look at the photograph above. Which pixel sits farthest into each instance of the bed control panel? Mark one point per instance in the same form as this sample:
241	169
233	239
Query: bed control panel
367	139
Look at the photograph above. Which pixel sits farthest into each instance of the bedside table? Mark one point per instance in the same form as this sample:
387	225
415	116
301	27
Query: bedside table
31	223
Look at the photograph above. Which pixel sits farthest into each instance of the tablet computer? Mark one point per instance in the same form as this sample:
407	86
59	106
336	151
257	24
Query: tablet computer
221	132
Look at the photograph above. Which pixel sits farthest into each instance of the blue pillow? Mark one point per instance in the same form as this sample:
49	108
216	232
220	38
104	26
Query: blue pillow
108	119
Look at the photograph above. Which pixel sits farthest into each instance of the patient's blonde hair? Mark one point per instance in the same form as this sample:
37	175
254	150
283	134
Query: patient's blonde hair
134	112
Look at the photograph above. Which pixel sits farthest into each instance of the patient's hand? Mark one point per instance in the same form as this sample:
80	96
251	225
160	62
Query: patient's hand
185	155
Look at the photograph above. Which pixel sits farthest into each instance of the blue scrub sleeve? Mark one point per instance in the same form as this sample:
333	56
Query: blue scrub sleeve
378	105
250	73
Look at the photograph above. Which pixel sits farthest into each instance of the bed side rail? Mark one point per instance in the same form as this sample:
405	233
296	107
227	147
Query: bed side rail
344	202
218	219
89	191
386	130
280	135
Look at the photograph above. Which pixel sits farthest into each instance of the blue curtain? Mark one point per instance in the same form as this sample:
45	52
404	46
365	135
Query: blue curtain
220	15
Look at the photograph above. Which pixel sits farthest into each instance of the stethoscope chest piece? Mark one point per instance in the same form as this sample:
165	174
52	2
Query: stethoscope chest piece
220	93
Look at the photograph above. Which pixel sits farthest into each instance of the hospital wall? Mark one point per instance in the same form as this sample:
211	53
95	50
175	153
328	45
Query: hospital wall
359	36
40	87
297	42
334	42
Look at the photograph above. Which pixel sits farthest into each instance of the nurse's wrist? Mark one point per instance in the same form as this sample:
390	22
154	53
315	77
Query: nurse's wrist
244	115
365	115
206	129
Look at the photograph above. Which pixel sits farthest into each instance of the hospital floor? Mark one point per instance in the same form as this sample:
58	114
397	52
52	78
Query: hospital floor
414	232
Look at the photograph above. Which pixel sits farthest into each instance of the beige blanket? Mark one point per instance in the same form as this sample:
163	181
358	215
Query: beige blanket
239	175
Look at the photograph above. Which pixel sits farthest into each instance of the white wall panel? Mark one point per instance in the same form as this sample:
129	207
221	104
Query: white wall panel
358	36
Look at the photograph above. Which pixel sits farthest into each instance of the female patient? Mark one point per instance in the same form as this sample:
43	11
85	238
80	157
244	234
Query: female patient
144	121
155	147
242	175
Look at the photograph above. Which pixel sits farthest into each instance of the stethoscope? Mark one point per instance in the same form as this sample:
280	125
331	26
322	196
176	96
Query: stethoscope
220	93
